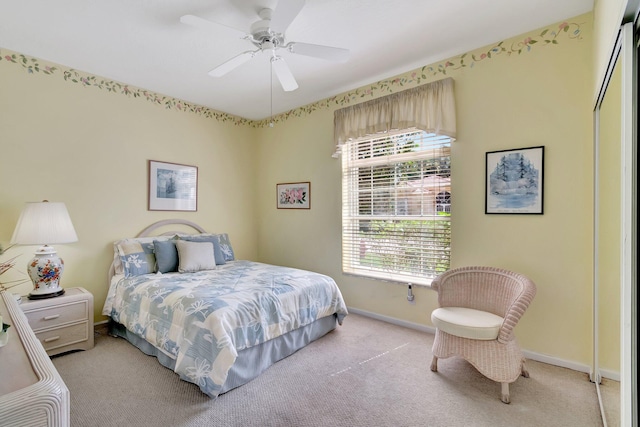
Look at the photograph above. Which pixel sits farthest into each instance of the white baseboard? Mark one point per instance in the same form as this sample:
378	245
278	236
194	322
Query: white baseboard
612	375
538	357
392	320
551	360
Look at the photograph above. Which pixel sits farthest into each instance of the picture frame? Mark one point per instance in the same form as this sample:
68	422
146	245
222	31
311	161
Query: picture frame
293	195
172	187
514	181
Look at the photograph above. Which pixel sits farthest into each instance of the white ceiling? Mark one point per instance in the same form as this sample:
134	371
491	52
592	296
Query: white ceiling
144	44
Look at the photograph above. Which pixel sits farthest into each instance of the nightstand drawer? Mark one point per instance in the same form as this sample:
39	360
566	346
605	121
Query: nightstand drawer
49	317
62	323
60	337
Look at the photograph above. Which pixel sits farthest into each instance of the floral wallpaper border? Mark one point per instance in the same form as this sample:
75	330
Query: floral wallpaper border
517	46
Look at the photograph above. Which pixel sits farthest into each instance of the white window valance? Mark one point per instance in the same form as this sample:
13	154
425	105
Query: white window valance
430	107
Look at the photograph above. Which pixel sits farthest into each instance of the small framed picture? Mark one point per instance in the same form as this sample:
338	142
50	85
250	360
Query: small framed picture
293	195
515	181
172	187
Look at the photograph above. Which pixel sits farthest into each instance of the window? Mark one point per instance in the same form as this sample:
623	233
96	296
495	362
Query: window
396	210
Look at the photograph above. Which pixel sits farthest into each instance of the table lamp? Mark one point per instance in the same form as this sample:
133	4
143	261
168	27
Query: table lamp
44	223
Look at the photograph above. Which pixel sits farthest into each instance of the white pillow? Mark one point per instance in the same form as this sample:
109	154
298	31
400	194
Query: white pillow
195	256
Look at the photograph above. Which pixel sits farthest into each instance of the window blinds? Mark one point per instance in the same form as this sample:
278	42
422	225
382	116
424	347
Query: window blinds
397	206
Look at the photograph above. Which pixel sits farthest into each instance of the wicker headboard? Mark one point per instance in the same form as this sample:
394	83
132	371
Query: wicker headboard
148	231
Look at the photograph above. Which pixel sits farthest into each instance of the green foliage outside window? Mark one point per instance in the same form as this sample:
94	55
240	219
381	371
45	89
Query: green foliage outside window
399	245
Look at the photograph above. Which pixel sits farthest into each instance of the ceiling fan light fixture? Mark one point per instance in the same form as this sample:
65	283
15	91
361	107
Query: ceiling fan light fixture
268	35
269	45
261	30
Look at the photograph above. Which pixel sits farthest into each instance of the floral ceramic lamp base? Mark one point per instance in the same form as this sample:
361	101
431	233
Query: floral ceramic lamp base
45	271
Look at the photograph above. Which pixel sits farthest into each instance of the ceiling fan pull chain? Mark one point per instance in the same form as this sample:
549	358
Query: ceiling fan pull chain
271	90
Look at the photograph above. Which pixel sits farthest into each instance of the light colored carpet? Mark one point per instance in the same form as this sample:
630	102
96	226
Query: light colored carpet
365	373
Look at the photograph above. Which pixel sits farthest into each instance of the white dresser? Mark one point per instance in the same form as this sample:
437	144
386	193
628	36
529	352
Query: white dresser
31	390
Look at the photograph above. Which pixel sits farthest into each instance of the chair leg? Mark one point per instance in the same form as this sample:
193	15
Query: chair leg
505	393
434	364
525	372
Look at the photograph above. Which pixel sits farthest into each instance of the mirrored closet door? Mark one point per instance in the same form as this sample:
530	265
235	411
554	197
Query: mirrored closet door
615	221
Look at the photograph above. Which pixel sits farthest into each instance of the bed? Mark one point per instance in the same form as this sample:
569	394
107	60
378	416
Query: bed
216	321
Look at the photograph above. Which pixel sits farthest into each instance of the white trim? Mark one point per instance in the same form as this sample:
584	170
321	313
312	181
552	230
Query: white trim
624	50
611	375
601	405
393	320
595	374
555	361
538	357
626	226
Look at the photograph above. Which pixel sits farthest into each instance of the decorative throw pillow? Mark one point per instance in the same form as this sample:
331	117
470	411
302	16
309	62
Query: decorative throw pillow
195	256
143	241
137	258
213	239
225	247
166	255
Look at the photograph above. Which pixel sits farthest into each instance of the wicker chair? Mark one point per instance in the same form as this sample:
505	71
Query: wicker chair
478	310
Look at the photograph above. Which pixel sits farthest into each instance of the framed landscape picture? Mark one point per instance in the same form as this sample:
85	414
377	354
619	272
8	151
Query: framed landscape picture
294	195
172	187
514	181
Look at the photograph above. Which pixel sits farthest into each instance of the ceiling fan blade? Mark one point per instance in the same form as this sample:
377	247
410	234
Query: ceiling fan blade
318	51
205	24
232	63
284	13
284	74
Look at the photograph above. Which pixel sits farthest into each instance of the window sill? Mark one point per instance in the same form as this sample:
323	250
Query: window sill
424	283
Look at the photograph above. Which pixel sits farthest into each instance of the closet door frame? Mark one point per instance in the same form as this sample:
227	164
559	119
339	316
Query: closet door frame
624	55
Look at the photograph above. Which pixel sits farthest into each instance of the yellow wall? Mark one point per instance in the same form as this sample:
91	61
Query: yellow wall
539	96
89	148
529	90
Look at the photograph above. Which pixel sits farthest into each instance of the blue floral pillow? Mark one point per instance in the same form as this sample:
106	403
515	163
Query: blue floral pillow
225	247
136	257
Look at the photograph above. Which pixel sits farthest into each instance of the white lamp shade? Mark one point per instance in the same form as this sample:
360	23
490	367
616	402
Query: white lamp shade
43	223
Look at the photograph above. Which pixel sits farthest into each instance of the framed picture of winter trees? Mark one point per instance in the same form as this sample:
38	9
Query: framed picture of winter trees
515	181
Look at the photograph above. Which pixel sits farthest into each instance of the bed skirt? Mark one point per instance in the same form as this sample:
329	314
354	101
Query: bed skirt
252	361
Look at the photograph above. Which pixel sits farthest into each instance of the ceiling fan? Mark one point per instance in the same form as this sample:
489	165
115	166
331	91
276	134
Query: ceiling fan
268	35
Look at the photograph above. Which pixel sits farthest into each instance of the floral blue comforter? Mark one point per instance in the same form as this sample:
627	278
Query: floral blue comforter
201	320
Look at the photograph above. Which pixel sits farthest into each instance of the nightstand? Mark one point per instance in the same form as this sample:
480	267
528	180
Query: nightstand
62	323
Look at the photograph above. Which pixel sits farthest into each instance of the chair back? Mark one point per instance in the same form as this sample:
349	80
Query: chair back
495	290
